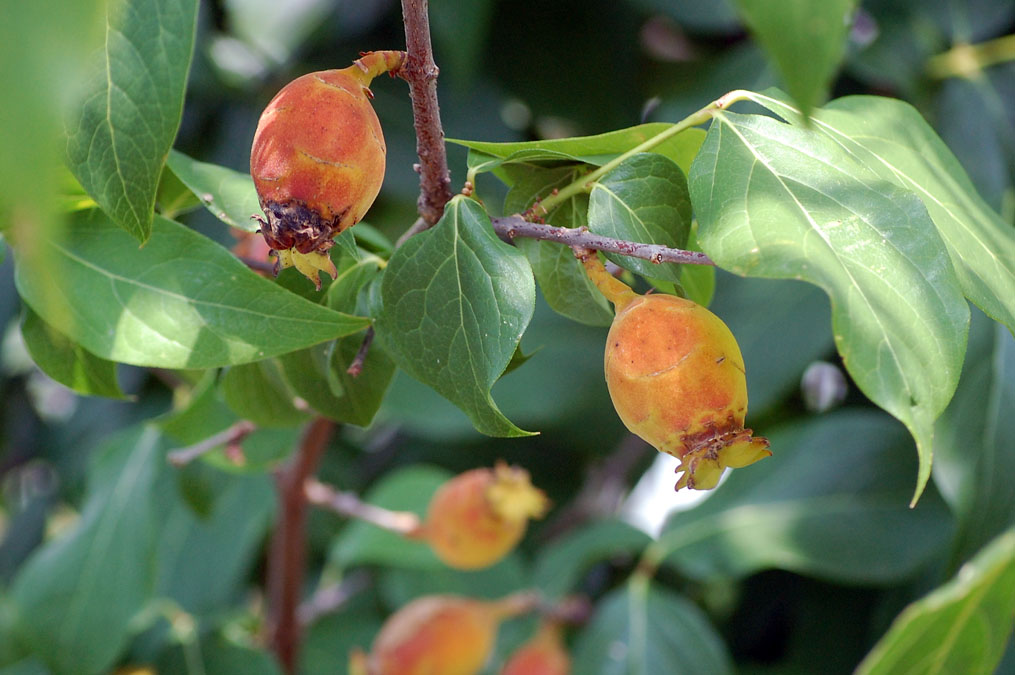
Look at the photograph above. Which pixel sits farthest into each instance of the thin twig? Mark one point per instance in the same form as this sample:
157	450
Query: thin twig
512	227
287	552
356	367
404	523
230	436
420	72
331	598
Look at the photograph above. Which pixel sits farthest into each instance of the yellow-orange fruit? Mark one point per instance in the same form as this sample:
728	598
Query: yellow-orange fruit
444	634
318	160
544	654
677	380
477	517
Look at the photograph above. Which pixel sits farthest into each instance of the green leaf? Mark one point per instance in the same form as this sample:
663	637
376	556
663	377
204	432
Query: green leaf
219	653
65	361
779	201
962	627
805	39
831	502
974	454
228	194
199	412
203	562
182	301
644	199
644	629
560	565
258	392
890	139
561	278
456	303
131	106
77	595
172	198
408	489
596	150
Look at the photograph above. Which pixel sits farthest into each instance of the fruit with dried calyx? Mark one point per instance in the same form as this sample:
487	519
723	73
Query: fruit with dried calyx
318	161
543	654
677	380
446	634
477	517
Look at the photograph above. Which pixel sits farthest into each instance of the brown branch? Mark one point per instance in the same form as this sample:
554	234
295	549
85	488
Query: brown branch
420	72
230	436
404	523
287	553
512	227
356	367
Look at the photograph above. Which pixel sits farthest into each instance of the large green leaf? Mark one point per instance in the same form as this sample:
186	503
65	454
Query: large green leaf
456	303
891	139
77	594
780	201
182	301
228	194
644	199
962	627
596	150
805	39
643	629
831	502
974	453
120	134
66	362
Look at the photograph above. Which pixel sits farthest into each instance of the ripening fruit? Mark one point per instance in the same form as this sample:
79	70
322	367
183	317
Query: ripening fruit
544	654
677	380
438	634
477	517
318	160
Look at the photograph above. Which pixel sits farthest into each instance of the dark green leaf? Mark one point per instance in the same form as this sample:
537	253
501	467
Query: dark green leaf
408	489
77	595
199	413
644	199
119	135
258	392
596	150
962	627
66	362
401	584
831	502
559	566
974	453
775	200
805	39
181	301
456	302
891	140
217	654
644	629
228	194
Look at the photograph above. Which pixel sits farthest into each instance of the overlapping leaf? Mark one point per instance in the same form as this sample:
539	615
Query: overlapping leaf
456	303
891	139
228	194
776	200
132	103
182	301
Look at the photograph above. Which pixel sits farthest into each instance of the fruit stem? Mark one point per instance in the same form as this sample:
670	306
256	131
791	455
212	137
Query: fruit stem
372	64
347	504
585	183
615	290
515	604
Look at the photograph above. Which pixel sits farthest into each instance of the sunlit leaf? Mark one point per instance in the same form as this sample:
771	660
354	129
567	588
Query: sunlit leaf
228	194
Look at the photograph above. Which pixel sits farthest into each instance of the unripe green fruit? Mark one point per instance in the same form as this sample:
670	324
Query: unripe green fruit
318	160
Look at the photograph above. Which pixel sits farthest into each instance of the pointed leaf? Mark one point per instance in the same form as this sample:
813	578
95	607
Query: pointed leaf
962	627
456	303
228	194
131	108
644	629
644	199
66	362
805	39
779	201
77	594
181	301
891	139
